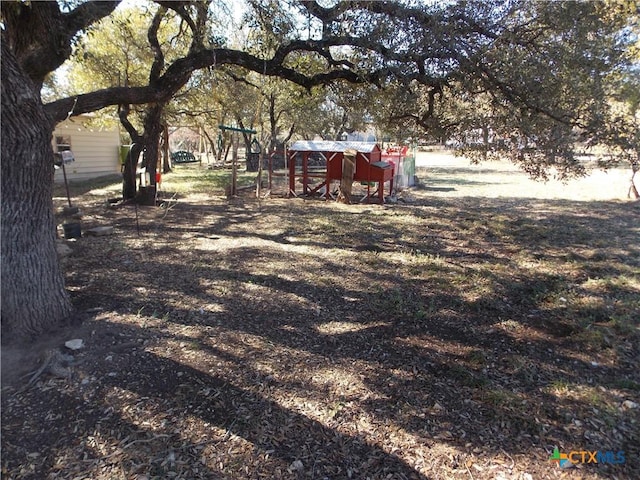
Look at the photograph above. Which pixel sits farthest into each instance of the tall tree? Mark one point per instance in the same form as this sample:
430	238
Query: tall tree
618	129
28	250
115	52
33	294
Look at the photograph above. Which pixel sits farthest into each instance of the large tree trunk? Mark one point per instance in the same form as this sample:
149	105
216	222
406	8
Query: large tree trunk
147	144
151	138
348	172
273	124
129	177
152	132
33	295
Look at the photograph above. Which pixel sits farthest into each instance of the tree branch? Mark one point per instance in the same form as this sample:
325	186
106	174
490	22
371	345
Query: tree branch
46	44
197	25
179	72
123	114
158	56
86	14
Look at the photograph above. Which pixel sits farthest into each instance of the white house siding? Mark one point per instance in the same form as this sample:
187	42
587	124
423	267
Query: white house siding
95	151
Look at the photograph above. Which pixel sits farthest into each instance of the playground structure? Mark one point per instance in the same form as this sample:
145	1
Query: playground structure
255	150
316	164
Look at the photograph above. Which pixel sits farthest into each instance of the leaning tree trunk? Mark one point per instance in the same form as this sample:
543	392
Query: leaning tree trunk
33	295
153	128
145	144
348	172
129	177
164	142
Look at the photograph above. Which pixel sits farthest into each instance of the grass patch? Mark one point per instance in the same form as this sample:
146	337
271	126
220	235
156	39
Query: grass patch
107	185
466	377
500	398
477	358
196	179
626	384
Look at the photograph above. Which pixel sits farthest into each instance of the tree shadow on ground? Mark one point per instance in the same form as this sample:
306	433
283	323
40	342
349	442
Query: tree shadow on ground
133	413
429	338
477	374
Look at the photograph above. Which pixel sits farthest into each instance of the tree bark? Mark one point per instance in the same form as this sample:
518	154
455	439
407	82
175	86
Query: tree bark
152	133
40	35
129	185
34	299
166	158
212	145
129	178
252	161
273	124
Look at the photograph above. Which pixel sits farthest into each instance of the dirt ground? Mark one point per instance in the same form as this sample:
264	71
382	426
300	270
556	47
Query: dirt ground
441	337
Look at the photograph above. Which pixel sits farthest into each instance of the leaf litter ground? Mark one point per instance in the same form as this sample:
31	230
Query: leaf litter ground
442	338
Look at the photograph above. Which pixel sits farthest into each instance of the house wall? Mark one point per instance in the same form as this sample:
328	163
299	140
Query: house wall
369	136
95	151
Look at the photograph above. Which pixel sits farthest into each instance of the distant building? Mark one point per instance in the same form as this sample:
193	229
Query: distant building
369	136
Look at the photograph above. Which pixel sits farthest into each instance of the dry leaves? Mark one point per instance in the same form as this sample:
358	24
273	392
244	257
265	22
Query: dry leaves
245	340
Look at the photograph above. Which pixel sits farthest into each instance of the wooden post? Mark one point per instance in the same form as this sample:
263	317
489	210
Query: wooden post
271	171
234	167
292	172
259	176
305	173
200	143
166	163
348	172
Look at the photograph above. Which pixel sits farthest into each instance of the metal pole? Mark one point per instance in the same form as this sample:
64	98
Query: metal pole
66	184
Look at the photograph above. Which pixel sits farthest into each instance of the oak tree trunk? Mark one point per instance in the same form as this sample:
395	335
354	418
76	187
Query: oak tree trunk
34	299
164	142
153	129
129	177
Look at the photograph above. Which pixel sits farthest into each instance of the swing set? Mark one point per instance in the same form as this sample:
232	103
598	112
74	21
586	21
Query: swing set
255	149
